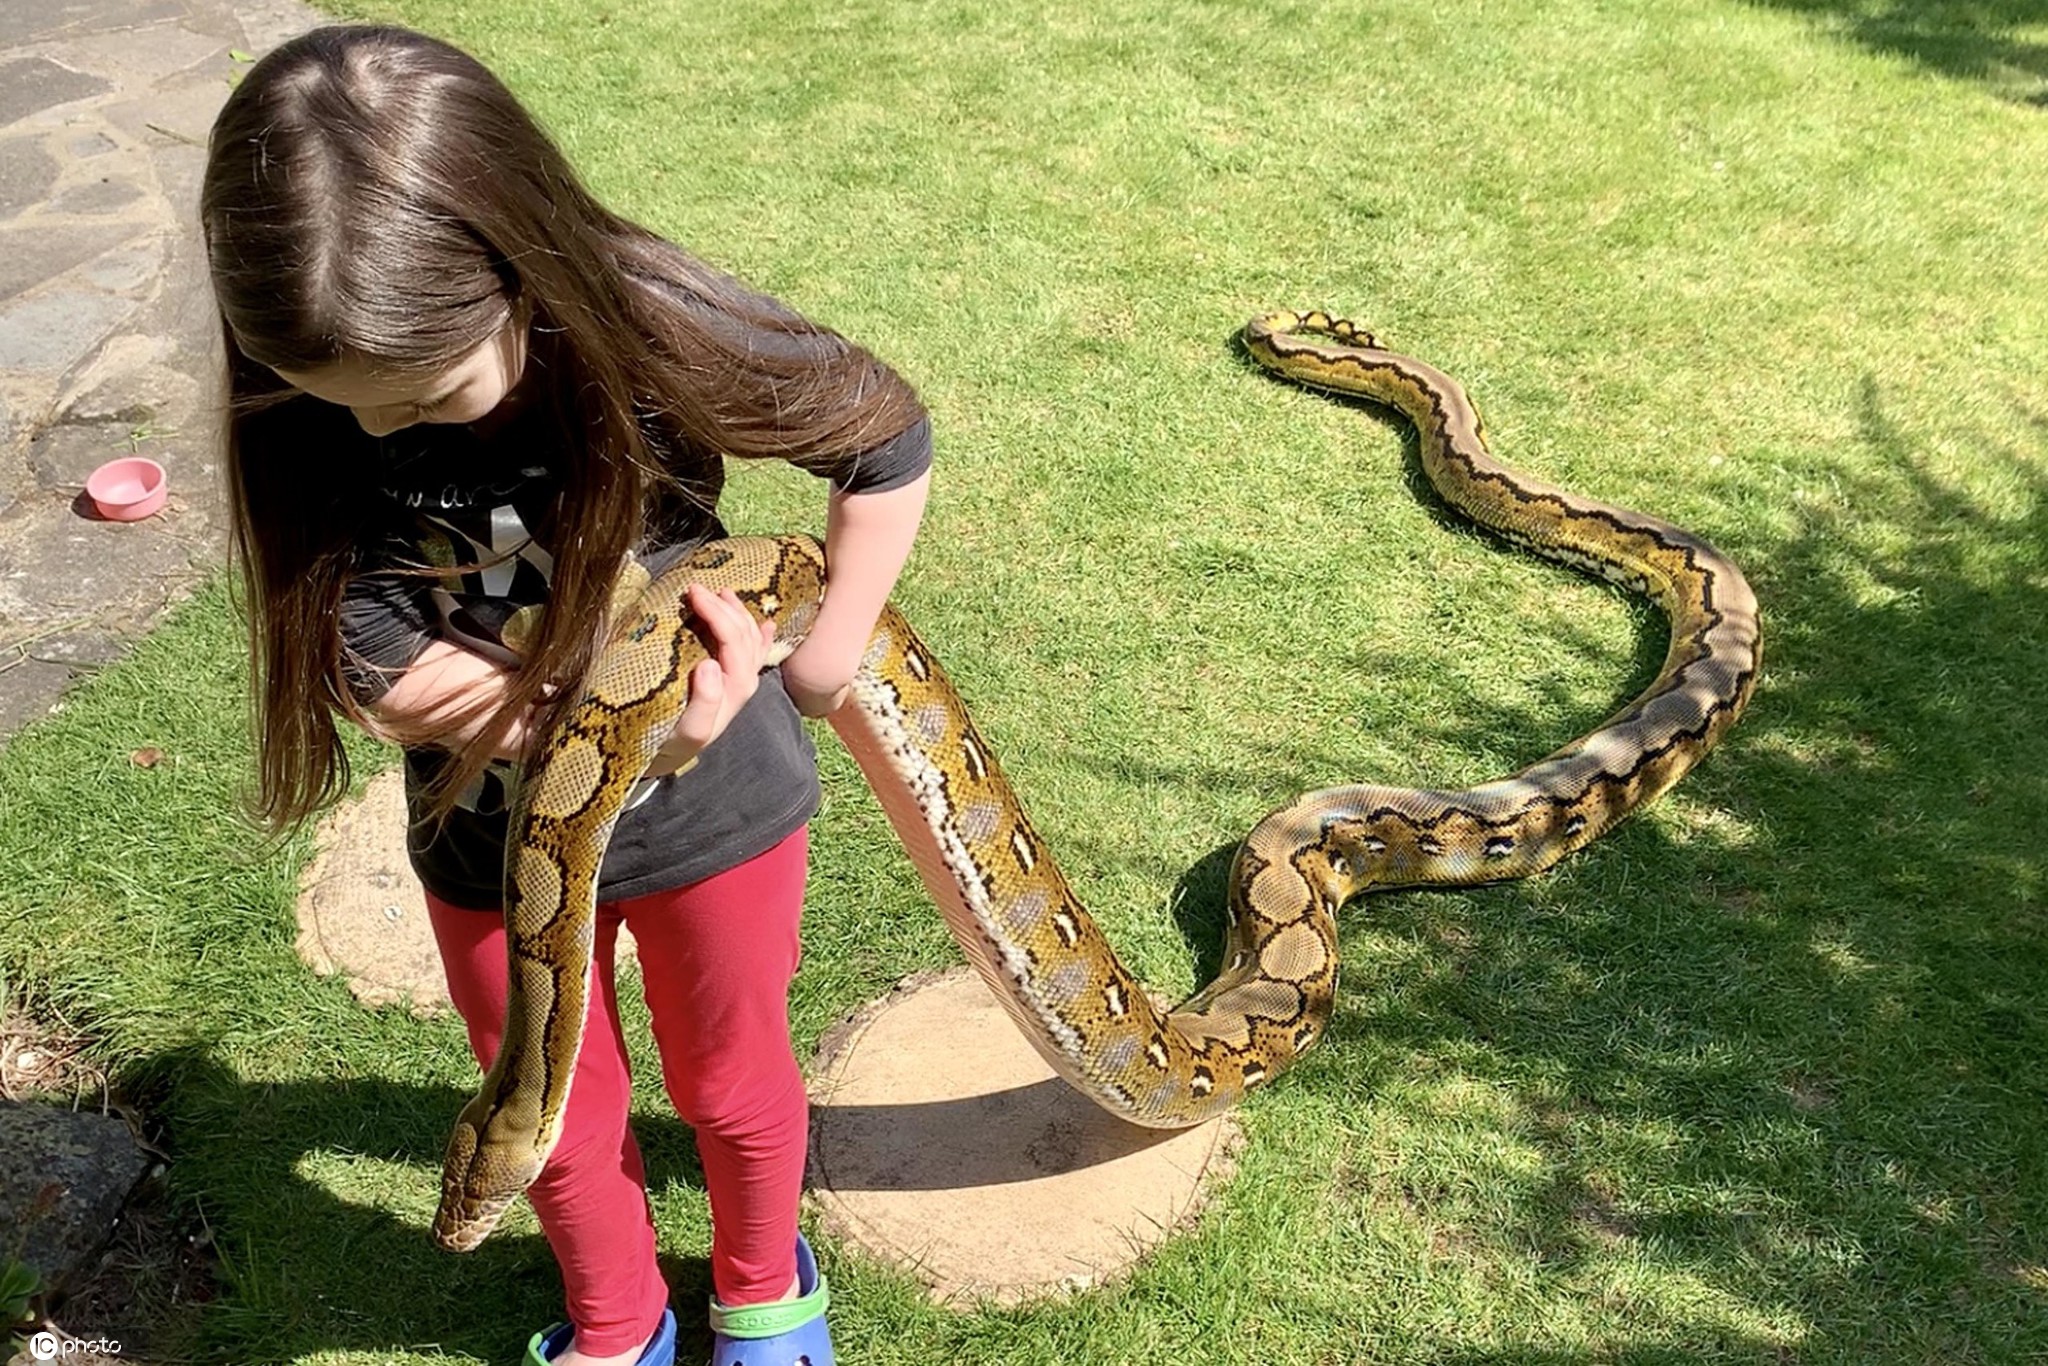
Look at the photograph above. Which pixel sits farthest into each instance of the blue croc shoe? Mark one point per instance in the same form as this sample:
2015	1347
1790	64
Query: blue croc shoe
785	1333
659	1351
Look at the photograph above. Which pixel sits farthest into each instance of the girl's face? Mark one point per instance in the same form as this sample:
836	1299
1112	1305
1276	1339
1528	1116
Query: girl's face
466	391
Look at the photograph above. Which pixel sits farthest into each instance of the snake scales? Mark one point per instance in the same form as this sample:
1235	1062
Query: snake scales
1002	895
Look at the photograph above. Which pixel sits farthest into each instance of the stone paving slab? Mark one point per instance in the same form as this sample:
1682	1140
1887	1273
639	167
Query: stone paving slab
27	172
48	333
89	199
61	567
31	255
63	1180
142	58
30	85
34	21
126	269
32	681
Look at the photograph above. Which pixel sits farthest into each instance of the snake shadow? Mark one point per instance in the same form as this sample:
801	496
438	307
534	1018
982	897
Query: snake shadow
1048	1129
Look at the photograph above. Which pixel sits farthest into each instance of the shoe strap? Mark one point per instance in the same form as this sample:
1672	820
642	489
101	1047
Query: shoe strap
768	1320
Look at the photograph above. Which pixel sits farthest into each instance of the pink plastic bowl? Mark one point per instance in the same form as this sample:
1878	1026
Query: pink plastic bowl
129	489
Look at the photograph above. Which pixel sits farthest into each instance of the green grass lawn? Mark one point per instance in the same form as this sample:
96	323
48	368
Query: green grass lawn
1757	1078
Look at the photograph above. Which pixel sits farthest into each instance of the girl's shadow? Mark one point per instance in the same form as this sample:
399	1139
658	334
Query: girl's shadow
341	1177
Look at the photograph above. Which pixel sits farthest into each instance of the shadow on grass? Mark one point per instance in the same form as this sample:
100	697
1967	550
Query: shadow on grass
1784	1037
331	1273
1976	40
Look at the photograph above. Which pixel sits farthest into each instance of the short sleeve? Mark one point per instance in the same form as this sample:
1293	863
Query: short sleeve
890	465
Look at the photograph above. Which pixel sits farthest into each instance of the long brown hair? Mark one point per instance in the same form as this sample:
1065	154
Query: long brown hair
375	195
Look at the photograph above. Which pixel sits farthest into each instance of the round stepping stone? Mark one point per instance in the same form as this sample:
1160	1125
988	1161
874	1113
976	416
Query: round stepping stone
362	912
941	1143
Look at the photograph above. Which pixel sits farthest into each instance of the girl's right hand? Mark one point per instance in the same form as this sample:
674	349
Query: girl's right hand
720	685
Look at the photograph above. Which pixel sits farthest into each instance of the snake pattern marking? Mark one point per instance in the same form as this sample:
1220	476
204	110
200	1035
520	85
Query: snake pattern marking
1001	893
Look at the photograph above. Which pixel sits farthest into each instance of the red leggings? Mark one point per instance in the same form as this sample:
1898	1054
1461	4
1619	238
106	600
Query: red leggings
716	958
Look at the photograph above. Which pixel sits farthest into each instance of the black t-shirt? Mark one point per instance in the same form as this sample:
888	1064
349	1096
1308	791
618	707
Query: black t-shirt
475	499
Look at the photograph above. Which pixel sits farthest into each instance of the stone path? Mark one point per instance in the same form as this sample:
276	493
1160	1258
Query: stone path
107	332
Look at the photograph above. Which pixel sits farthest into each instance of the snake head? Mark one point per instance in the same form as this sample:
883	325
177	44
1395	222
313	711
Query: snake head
461	1223
477	1186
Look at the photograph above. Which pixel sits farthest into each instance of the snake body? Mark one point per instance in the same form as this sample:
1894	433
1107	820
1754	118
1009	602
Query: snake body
998	887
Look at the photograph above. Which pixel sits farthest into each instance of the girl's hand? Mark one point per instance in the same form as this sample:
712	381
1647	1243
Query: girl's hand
817	684
720	685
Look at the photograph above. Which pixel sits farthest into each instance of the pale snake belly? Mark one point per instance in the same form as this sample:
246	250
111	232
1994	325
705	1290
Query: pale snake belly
1000	891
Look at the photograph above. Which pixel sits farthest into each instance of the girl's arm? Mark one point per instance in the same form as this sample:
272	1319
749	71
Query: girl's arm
867	539
438	686
447	679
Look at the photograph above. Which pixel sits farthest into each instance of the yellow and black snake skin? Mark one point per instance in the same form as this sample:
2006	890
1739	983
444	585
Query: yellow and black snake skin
998	887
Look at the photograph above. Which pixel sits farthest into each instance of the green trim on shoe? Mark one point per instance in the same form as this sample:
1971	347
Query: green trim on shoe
536	1354
543	1347
769	1320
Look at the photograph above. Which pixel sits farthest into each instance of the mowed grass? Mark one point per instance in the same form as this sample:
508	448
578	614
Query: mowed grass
1757	1078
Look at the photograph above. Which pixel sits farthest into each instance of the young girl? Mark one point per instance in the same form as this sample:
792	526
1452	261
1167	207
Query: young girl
461	389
